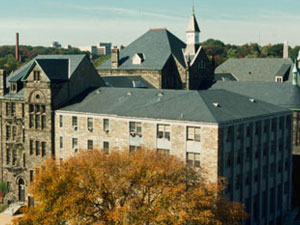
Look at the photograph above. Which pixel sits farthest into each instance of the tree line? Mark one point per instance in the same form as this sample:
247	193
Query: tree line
214	49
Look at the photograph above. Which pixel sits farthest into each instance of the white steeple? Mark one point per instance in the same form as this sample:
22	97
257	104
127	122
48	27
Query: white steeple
192	36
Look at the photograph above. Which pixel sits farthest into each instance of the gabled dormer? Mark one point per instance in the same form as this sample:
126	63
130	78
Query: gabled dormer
138	58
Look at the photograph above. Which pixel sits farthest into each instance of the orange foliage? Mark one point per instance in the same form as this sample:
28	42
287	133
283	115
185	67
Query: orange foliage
127	189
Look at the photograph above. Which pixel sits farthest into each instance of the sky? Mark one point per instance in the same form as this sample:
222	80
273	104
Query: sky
84	23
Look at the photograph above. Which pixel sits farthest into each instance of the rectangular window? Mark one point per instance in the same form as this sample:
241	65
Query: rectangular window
37	121
14	132
14	157
74	143
31	121
31	108
24	160
7	155
163	131
163	151
43	108
8	132
133	148
23	110
266	124
106	147
229	134
61	121
8	109
247	154
135	128
237	181
8	186
106	125
43	148
61	142
90	124
31	175
193	159
43	121
37	148
13	108
36	75
239	132
228	159
31	147
257	128
90	144
248	131
74	122
193	134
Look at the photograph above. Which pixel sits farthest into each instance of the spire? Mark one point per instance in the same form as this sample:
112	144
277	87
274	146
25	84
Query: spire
193	25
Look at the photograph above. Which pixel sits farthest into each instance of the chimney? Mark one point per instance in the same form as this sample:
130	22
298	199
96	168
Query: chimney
115	57
2	82
285	50
17	47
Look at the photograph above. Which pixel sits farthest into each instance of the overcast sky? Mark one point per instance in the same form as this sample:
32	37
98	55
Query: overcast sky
83	23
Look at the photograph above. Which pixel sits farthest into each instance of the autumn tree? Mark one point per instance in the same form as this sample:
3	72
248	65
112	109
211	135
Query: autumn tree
127	188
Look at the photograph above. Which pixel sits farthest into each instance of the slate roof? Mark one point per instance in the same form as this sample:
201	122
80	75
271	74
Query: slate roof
55	66
281	94
126	82
256	69
179	105
156	45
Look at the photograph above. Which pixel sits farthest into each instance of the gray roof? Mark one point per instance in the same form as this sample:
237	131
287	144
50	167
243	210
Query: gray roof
126	82
156	45
198	106
257	69
281	94
55	66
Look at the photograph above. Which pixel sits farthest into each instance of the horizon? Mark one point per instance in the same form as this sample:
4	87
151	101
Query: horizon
81	24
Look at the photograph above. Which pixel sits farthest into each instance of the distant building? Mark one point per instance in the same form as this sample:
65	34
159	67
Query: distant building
56	44
104	48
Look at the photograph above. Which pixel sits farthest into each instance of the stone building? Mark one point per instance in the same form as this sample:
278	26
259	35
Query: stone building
227	134
163	60
28	99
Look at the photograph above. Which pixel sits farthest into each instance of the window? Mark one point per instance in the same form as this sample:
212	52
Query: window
30	147
90	144
43	148
229	134
74	122
257	128
163	131
24	160
227	159
255	175
37	122
247	154
278	79
14	132
7	155
43	121
193	134
248	178
248	131
105	125
133	148
31	175
90	124
36	75
13	108
266	124
61	142
237	181
37	148
61	121
193	159
31	121
135	128
273	124
14	157
10	108
105	147
8	132
239	132
74	143
163	151
8	186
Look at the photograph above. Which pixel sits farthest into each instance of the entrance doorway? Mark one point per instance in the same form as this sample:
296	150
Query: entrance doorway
21	185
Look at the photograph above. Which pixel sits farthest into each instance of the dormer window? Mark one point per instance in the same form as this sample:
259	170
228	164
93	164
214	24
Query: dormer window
138	58
36	75
278	79
13	87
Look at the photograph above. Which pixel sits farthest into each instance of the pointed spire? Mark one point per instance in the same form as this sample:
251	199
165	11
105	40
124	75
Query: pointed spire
295	74
193	25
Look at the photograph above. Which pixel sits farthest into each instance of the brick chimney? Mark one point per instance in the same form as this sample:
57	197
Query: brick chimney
17	47
2	82
115	57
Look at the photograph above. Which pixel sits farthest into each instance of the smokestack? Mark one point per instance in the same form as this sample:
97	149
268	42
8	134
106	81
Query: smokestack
17	47
114	57
285	50
2	82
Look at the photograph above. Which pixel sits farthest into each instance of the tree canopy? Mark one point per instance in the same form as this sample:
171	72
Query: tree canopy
127	188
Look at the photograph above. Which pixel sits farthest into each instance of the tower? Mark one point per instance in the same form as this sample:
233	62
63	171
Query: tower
192	36
295	74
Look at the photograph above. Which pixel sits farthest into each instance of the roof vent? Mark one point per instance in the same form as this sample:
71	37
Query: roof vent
252	100
160	94
129	93
216	104
181	115
98	91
